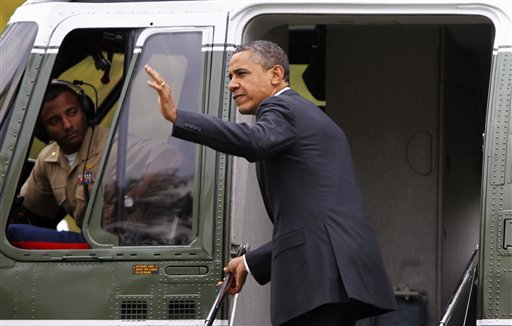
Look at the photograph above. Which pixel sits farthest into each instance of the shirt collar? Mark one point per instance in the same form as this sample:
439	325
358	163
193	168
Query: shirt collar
281	91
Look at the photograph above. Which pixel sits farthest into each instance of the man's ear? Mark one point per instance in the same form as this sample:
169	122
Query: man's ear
277	74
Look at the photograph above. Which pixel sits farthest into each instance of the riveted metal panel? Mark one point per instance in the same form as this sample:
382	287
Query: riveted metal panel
500	107
496	258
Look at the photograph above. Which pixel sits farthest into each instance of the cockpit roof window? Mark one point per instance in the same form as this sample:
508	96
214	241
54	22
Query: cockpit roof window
15	45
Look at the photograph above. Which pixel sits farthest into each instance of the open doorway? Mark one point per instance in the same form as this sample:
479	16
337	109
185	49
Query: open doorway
410	93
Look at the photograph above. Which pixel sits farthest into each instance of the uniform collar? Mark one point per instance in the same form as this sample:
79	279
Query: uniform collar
86	150
55	152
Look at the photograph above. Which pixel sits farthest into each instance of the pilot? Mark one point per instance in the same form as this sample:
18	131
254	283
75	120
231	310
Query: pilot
65	170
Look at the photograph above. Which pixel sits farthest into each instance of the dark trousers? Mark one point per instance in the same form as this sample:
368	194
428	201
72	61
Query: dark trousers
333	314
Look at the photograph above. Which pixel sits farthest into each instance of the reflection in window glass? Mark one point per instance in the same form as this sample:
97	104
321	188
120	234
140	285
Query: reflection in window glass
149	181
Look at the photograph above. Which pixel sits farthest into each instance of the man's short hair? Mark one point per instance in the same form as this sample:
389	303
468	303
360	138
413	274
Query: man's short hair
267	54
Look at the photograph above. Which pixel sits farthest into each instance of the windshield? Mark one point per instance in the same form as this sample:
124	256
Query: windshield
15	45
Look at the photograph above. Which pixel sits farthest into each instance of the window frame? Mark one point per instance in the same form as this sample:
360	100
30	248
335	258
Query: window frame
201	246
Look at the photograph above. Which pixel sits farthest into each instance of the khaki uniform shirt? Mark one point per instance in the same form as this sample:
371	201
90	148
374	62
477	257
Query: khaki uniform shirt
53	183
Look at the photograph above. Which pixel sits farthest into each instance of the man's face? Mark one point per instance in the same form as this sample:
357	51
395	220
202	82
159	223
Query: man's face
65	121
250	82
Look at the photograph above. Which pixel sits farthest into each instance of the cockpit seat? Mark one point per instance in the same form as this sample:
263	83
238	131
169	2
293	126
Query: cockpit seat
28	236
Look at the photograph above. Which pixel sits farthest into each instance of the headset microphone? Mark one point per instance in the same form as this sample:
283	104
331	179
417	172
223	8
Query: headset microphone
86	184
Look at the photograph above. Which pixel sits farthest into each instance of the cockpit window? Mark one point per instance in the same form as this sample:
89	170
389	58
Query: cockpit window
148	183
15	45
52	193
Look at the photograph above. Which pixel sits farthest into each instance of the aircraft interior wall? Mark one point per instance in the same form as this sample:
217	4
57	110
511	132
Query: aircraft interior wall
410	102
384	93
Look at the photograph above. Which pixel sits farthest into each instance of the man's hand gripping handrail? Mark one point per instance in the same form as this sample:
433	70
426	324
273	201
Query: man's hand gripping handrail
228	278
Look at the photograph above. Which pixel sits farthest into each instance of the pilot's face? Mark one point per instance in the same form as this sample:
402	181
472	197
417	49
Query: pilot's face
65	121
250	82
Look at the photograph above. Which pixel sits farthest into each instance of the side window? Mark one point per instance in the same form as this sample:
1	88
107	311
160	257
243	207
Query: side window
84	83
148	183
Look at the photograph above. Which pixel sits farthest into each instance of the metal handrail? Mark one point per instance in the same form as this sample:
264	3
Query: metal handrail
468	279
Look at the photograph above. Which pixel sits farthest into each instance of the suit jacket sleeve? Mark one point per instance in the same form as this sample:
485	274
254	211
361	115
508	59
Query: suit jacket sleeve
259	261
272	133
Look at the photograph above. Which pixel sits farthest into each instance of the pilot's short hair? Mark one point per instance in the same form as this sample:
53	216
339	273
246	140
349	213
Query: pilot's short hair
56	88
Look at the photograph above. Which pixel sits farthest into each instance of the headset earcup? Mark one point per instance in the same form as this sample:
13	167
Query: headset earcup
88	106
41	134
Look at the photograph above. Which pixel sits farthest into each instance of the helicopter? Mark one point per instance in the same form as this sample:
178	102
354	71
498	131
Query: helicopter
422	90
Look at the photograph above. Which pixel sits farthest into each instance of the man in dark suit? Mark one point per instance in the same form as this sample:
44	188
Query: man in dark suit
324	259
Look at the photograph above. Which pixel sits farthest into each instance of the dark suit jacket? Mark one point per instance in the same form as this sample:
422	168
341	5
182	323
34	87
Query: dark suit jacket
323	249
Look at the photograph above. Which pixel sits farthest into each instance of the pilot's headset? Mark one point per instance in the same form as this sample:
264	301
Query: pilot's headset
84	100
